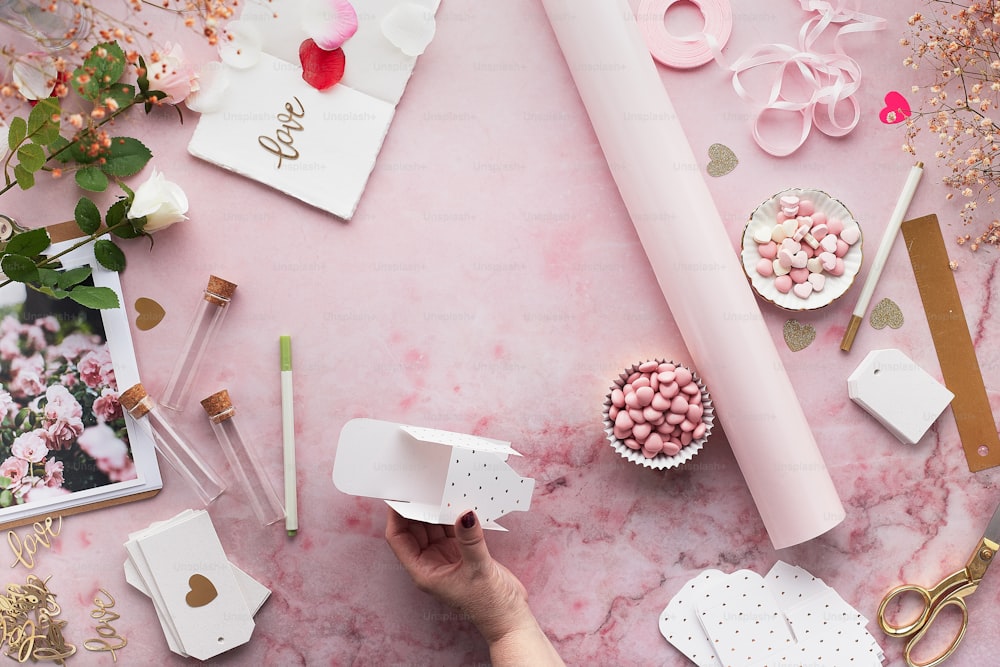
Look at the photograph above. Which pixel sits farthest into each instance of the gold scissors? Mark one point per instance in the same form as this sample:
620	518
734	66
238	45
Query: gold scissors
950	591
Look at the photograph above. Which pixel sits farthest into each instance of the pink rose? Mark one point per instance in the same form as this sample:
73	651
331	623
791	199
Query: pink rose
106	406
62	417
49	323
10	346
96	369
74	346
6	404
28	376
110	453
14	468
37	493
30	446
173	75
53	473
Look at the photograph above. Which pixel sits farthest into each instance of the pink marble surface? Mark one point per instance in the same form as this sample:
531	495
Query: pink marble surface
492	283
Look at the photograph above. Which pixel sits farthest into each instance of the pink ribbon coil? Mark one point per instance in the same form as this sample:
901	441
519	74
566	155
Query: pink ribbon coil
691	50
831	78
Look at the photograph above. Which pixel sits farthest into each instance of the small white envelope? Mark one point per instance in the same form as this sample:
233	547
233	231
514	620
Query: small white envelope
428	474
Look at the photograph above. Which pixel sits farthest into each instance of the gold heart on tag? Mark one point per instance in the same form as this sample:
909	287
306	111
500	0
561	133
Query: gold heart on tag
798	336
886	313
202	591
723	160
149	313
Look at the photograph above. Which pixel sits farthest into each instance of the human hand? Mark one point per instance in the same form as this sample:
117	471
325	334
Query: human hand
453	564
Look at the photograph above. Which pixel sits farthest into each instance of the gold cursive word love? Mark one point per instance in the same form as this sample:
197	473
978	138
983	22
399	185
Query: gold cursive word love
105	632
282	143
26	548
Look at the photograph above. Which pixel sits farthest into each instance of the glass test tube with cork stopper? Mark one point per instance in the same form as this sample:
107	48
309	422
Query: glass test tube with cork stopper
172	445
211	312
243	459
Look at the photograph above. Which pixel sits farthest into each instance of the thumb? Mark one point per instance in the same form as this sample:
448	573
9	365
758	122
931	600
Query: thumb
471	541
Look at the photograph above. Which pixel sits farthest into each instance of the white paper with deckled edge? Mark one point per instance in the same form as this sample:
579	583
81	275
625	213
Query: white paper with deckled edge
428	474
373	64
898	393
743	621
341	136
172	555
679	622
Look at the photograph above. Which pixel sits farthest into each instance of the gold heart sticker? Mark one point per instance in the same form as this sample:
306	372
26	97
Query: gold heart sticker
723	160
202	591
886	313
149	313
798	336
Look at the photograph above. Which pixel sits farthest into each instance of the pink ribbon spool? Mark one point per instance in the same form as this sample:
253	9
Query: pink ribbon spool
691	50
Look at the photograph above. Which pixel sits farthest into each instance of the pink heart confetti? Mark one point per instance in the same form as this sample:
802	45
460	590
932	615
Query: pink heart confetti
896	109
321	69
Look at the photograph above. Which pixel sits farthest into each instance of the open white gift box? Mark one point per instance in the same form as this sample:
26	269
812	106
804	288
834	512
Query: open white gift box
430	475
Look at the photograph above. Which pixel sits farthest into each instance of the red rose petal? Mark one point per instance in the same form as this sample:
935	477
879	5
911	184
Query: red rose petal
321	69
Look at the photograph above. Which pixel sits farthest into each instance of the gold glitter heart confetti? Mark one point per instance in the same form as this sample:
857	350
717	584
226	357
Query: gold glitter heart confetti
798	336
886	313
722	160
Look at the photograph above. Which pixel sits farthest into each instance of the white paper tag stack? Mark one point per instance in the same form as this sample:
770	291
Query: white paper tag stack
204	603
787	617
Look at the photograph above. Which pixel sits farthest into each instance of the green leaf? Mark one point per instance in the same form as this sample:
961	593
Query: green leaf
58	151
87	216
94	297
19	268
25	179
21	415
48	277
109	255
43	121
29	243
73	277
5	482
17	131
126	157
31	157
6	498
116	214
122	93
92	178
101	69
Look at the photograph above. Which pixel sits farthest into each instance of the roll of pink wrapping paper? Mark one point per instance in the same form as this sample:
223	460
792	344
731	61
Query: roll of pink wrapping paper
682	233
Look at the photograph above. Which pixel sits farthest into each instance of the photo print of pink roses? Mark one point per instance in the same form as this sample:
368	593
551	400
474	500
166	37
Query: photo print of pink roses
62	428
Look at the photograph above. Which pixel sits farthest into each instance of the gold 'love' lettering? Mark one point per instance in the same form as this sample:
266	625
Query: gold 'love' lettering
25	548
282	144
107	638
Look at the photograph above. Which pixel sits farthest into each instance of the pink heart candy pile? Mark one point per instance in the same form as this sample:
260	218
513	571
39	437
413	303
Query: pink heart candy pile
802	247
659	409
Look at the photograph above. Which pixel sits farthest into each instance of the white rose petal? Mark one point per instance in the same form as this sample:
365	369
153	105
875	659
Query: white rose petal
160	201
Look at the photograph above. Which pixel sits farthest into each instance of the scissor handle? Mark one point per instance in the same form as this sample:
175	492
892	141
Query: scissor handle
941	657
955	585
907	629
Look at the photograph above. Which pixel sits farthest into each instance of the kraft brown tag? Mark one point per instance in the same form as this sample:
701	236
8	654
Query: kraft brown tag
952	342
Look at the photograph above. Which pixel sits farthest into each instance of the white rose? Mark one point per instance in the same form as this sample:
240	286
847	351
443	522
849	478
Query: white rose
160	201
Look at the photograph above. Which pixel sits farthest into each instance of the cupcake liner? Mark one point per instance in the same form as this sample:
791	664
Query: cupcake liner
660	461
764	217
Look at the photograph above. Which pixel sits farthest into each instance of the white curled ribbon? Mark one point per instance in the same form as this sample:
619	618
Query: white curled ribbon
832	77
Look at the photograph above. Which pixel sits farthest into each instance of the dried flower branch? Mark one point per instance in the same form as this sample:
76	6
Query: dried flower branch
959	42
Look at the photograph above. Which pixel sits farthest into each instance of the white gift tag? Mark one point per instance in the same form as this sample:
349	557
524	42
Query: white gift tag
187	569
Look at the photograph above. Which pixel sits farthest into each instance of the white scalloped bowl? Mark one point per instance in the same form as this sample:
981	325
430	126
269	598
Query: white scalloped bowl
764	217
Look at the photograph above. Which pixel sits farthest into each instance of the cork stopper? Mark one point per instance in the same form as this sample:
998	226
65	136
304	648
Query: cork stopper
218	406
135	400
219	291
